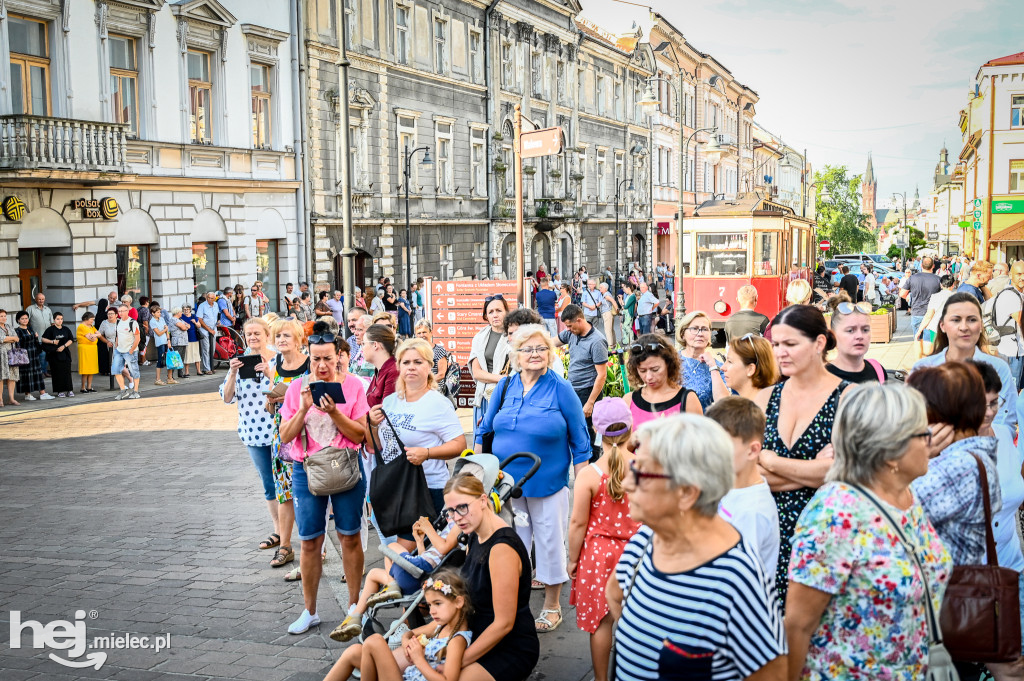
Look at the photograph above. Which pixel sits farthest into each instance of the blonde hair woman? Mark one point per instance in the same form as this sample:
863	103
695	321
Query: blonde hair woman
798	292
551	424
422	418
694	338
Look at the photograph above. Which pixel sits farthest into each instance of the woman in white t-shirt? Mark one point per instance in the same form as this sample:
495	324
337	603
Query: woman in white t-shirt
930	324
423	418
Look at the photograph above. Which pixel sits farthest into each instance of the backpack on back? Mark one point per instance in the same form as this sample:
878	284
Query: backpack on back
993	329
452	380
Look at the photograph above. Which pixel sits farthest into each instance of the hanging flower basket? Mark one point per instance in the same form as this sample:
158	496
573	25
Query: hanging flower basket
577	177
529	170
499	167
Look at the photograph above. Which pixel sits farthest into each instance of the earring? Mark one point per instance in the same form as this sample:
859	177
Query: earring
895	468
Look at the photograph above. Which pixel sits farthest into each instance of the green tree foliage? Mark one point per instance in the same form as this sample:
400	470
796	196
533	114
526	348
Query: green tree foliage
917	241
838	207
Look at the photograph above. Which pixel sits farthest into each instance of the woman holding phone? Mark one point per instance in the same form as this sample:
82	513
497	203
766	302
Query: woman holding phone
256	426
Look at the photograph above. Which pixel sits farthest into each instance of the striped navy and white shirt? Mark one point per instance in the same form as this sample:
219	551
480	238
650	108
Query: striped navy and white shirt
720	621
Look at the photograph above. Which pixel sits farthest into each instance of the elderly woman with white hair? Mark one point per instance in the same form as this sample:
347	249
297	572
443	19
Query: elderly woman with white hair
535	410
867	565
692	600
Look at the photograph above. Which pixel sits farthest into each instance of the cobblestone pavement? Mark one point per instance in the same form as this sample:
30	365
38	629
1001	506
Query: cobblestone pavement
146	514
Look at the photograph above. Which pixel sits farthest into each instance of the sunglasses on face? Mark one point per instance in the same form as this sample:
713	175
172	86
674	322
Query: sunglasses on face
323	338
459	510
848	308
644	347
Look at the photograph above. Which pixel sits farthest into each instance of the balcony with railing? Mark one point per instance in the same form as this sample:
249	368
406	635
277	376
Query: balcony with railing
29	143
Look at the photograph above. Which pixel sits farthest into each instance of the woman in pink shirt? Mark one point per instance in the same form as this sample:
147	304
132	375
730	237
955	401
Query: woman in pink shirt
311	427
654	365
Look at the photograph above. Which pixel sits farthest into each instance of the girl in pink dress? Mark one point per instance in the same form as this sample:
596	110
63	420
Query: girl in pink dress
600	527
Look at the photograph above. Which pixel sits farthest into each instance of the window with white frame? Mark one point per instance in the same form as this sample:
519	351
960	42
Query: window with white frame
582	165
478	159
537	73
600	174
443	165
618	100
508	66
200	92
402	46
445	255
29	65
1017	176
560	81
358	150
619	167
350	18
602	87
124	81
440	45
407	142
1017	111
656	167
259	83
475	56
581	88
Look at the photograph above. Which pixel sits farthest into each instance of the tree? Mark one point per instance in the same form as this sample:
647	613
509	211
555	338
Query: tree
916	241
837	203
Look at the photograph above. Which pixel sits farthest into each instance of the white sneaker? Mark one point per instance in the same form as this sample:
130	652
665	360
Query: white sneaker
146	363
123	394
46	396
135	395
305	621
30	397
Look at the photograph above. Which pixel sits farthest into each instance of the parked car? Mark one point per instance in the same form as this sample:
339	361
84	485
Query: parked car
876	258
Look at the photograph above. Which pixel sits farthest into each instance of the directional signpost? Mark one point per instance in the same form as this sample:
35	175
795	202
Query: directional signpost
455	309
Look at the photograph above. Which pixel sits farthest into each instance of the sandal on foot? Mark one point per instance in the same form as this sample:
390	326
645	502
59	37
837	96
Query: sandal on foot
543	624
347	630
537	585
390	592
282	557
270	542
294	575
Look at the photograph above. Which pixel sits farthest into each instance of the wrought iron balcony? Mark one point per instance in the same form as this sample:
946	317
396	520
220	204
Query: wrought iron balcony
63	144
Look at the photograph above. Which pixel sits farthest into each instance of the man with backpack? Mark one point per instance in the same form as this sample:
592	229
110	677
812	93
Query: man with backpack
128	338
1006	307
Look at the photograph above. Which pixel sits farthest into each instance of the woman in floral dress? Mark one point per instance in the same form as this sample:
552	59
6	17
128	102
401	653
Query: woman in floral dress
31	375
866	560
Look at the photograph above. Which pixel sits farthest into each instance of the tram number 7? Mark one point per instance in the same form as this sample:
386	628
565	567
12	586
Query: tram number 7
721	291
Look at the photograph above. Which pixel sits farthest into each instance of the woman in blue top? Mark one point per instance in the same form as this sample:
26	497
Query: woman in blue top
404	315
536	410
697	363
191	355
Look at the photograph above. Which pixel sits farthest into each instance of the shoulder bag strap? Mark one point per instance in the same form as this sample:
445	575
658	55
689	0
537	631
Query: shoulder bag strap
990	542
933	622
878	369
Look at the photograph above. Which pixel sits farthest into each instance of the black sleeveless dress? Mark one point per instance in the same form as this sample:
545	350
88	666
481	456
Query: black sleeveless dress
791	503
515	656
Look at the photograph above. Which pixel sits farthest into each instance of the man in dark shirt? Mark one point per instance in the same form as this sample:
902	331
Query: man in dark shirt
849	282
917	289
745	320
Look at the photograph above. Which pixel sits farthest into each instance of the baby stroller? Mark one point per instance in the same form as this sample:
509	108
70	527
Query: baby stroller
229	344
503	488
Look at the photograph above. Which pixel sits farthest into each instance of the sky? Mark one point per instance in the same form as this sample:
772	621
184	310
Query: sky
847	77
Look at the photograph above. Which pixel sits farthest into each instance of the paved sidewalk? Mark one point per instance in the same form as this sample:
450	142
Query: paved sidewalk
148	512
900	352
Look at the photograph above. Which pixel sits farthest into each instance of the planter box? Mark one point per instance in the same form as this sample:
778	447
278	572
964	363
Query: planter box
881	328
892	318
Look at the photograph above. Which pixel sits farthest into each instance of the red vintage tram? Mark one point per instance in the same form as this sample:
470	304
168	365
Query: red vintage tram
747	240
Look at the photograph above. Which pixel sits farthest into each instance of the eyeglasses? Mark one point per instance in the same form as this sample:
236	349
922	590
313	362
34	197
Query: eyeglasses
459	509
640	475
996	404
497	296
539	350
699	329
849	308
926	434
322	338
644	347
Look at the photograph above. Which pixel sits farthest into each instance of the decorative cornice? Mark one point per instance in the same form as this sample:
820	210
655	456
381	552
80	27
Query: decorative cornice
262	32
101	18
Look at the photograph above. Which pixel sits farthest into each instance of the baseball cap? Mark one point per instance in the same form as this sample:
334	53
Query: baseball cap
609	412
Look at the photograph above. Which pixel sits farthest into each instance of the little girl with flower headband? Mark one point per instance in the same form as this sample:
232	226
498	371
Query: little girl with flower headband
425	649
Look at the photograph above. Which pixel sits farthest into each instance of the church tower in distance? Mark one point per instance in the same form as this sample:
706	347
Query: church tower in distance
868	192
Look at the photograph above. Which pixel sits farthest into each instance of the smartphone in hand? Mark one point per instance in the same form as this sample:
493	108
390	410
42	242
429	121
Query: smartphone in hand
320	388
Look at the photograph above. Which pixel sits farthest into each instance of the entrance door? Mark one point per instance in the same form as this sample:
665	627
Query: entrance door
31	275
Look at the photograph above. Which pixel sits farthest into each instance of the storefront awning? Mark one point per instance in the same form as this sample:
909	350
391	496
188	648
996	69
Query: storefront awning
1014	232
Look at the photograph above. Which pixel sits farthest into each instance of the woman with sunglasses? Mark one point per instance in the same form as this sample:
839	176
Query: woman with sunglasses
961	336
488	354
535	410
310	427
749	366
847	616
799	414
497	571
699	605
379	350
851	326
653	369
694	336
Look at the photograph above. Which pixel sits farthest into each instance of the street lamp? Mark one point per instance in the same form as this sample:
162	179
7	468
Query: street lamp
427	161
715	154
618	189
905	230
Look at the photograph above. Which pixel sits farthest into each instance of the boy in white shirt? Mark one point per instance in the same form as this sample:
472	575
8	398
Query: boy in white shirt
749	505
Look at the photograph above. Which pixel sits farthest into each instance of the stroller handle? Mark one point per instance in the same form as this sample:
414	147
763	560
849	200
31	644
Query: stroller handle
517	491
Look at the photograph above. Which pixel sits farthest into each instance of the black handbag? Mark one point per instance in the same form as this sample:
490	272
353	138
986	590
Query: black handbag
487	439
399	493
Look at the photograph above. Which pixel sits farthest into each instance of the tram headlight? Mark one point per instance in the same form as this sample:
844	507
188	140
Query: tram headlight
721	307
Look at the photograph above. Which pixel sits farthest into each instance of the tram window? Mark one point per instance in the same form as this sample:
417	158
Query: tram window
766	253
721	254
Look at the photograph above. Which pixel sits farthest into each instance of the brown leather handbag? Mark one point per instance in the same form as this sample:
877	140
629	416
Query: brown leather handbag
980	617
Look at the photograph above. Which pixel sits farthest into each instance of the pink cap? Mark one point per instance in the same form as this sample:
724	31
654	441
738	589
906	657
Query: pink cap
610	411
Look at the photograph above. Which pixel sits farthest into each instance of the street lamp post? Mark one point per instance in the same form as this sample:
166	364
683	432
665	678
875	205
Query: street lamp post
650	99
618	189
905	230
427	161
